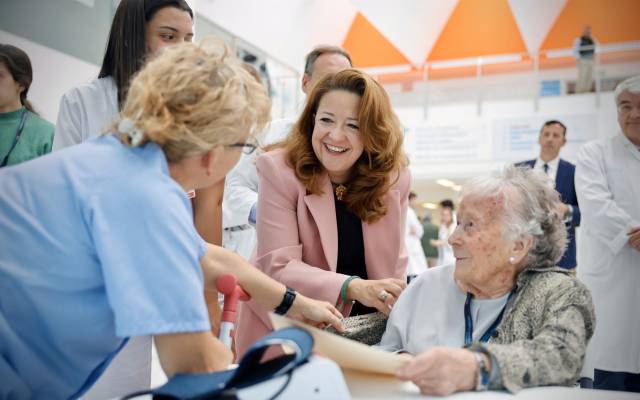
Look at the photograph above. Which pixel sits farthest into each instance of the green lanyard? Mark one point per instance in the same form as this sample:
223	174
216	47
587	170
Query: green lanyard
23	119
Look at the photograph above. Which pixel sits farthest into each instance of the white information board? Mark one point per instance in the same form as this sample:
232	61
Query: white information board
517	139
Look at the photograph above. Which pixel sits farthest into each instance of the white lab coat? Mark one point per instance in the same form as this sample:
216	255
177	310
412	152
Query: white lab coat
608	187
241	193
85	112
414	231
445	252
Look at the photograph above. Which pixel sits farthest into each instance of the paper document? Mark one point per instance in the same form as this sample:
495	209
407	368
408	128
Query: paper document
346	353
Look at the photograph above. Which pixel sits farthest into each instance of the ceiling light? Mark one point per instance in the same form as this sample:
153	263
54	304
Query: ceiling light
430	206
456	188
445	182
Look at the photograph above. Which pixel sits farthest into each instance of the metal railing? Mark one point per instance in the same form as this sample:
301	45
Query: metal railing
475	71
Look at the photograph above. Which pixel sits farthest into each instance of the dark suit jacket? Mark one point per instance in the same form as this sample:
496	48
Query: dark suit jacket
567	190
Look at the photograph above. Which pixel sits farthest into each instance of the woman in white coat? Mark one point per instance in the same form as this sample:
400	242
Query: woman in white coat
447	226
608	190
414	231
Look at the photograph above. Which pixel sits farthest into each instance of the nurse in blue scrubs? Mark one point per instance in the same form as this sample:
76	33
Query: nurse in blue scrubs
97	242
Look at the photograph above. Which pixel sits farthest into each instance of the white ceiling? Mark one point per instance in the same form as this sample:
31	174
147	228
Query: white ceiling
287	29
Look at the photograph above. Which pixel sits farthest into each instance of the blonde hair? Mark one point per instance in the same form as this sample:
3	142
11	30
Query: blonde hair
192	98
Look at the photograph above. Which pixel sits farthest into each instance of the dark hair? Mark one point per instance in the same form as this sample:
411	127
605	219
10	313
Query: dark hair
555	122
19	66
446	203
126	47
412	195
320	50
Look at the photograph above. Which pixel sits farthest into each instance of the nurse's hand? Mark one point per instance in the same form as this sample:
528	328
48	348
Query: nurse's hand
379	293
442	371
314	312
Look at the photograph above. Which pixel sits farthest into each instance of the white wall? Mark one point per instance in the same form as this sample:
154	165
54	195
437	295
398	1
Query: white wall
53	74
462	144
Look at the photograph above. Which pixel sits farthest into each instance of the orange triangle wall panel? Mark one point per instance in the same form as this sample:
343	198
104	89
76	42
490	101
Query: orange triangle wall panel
369	48
610	21
478	28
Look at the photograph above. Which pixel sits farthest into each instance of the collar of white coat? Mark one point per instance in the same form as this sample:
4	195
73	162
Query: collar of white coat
633	149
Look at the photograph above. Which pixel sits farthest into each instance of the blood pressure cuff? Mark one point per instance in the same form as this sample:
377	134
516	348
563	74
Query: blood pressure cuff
250	371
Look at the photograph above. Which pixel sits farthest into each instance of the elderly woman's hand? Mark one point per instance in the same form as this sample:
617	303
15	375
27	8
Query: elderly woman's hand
315	312
441	371
380	293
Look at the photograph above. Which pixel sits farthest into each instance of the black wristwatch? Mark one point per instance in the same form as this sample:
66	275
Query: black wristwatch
287	302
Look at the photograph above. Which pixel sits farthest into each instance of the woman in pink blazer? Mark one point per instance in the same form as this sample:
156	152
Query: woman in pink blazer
332	204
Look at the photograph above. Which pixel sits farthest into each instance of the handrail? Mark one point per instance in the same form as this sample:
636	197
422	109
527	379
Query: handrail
412	73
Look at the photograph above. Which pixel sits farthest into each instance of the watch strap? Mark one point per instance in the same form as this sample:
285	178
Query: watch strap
287	302
483	375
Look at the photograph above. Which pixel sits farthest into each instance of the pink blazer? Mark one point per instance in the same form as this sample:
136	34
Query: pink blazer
298	240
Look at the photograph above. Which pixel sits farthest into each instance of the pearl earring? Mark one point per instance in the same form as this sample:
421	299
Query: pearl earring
512	260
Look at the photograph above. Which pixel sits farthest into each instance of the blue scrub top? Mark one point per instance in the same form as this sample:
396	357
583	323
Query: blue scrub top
97	244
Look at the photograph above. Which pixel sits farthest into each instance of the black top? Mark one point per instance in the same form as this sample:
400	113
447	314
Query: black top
351	249
586	41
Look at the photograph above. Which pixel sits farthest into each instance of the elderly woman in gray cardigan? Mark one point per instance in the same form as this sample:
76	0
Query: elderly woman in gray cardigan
502	317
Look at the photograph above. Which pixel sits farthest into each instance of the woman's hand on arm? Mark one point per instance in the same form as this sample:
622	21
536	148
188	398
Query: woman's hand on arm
265	290
442	371
379	293
195	352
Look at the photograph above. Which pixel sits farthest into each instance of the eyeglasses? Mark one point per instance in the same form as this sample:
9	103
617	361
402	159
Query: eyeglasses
247	147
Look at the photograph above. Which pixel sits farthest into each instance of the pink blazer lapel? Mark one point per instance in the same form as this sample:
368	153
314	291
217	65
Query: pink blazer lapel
323	210
383	240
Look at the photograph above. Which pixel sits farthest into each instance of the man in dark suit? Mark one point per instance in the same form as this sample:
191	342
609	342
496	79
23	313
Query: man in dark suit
561	173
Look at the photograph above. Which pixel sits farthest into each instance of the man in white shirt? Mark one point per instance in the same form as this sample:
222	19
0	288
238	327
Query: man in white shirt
241	187
608	184
553	136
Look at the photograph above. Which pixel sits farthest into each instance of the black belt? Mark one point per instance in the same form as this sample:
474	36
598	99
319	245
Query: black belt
238	228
